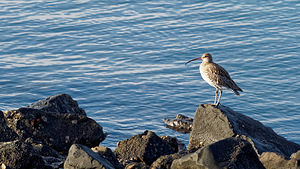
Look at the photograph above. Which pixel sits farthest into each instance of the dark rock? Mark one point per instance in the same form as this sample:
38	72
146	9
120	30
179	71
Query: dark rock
181	123
233	153
146	147
183	117
80	156
174	143
50	156
136	165
7	134
212	124
20	155
58	131
45	150
273	160
165	162
108	155
62	103
53	163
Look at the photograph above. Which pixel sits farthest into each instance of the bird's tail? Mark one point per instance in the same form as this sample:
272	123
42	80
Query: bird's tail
236	91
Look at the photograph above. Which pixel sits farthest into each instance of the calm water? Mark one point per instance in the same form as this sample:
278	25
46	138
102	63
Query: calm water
123	61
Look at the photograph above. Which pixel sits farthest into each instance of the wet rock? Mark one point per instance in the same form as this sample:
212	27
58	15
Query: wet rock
146	147
108	155
273	160
233	153
82	157
58	131
62	103
181	123
19	155
7	134
212	124
165	162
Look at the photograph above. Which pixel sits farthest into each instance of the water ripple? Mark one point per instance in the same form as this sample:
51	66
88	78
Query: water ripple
124	61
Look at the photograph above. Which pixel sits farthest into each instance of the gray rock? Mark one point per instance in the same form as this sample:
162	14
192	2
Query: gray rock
273	160
81	157
146	147
7	134
20	155
62	103
212	124
233	153
106	153
59	131
165	162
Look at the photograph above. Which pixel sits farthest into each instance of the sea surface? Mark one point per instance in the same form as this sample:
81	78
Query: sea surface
123	61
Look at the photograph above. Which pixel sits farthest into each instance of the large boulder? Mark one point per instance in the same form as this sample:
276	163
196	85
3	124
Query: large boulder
234	153
7	134
56	130
19	155
146	147
212	124
82	157
62	103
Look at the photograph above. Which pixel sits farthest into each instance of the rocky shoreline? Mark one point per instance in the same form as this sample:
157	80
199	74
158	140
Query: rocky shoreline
56	133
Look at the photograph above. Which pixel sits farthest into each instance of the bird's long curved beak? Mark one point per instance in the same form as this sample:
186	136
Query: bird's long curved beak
193	60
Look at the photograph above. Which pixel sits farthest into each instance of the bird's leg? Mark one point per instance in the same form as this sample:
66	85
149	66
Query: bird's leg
217	91
219	97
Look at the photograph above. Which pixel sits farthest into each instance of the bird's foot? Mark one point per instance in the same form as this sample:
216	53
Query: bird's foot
217	104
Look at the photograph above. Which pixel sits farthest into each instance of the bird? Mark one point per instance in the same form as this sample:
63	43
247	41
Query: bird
216	76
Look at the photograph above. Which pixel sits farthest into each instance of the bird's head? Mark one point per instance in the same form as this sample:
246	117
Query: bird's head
206	57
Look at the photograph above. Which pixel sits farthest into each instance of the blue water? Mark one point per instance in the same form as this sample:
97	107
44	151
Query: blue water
123	61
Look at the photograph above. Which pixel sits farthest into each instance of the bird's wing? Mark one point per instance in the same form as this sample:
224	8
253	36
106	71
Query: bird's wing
217	71
221	76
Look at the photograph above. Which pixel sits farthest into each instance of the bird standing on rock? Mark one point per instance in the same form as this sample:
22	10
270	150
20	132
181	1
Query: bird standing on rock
216	76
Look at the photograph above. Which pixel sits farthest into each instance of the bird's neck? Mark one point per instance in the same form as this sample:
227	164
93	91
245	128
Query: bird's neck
207	60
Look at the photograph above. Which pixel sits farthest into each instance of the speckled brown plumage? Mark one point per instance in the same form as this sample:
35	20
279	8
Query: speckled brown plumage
216	76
